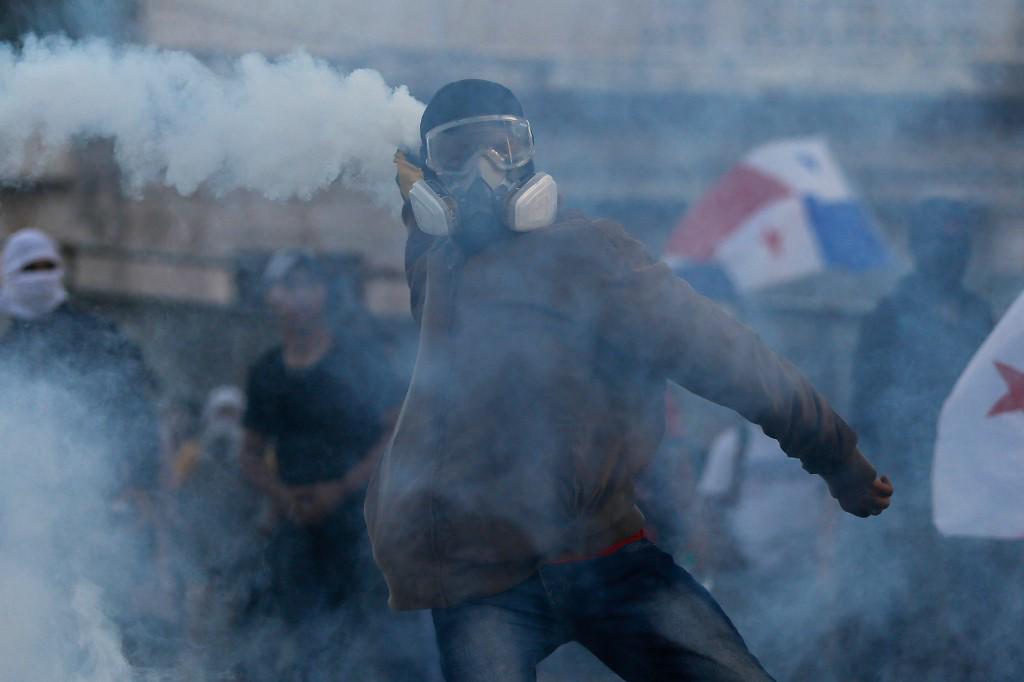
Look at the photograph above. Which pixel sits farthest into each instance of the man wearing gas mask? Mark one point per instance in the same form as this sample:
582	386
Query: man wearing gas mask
480	197
506	501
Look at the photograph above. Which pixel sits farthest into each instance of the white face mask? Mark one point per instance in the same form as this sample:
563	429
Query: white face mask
31	295
222	440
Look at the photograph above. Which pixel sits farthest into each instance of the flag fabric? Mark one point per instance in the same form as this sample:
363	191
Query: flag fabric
978	473
784	212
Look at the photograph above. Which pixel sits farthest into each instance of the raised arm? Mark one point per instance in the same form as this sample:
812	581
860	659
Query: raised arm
417	242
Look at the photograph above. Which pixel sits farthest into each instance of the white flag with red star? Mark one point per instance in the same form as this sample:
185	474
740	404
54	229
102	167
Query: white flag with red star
978	476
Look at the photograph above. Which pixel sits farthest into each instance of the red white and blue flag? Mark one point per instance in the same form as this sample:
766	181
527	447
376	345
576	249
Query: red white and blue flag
784	212
978	473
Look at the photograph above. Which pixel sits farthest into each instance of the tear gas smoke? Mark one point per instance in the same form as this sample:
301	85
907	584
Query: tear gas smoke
61	552
284	128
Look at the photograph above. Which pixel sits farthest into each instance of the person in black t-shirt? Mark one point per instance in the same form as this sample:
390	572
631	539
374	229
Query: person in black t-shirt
322	401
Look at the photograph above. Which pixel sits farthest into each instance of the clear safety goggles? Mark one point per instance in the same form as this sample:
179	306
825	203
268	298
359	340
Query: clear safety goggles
506	140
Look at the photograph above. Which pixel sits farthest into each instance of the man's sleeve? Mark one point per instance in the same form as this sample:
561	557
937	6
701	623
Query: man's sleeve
649	313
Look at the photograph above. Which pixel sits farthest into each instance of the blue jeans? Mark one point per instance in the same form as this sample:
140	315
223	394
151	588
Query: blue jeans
639	613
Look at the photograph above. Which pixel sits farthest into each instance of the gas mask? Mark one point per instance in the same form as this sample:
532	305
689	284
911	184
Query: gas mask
481	181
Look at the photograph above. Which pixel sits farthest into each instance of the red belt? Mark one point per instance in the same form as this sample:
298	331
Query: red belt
607	551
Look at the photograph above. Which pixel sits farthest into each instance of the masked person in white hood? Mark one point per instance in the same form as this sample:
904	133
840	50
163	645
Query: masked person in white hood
33	275
87	389
51	340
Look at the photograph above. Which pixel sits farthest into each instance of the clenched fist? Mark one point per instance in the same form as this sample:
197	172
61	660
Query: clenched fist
859	489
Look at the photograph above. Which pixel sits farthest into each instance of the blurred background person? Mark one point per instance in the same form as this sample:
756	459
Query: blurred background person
915	345
324	400
178	419
50	344
910	352
216	517
51	340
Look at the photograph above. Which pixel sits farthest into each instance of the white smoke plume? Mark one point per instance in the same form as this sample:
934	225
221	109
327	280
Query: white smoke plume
58	544
284	128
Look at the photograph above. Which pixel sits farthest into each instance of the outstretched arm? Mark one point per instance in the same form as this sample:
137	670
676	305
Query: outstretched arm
650	313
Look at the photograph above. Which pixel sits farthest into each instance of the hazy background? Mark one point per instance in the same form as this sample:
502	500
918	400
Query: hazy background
637	105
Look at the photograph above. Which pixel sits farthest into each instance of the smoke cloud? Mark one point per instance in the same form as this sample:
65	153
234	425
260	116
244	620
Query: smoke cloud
61	553
284	128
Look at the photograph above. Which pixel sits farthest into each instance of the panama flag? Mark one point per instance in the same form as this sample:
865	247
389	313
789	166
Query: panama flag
978	474
783	213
